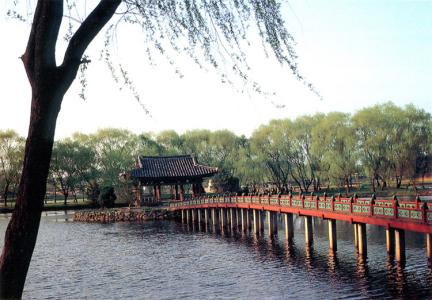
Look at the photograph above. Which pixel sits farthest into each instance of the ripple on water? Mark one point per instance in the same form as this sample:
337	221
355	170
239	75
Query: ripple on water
169	260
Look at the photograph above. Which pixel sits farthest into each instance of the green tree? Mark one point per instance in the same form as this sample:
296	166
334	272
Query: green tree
171	142
116	151
374	135
410	139
272	146
306	163
335	138
248	168
193	27
63	169
11	155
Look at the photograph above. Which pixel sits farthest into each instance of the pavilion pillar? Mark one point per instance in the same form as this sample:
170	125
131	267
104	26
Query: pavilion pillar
289	226
176	192
429	245
138	195
159	193
400	245
362	239
172	196
390	243
181	192
194	193
332	234
308	230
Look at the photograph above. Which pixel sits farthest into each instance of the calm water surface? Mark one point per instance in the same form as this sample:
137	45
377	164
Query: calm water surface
165	260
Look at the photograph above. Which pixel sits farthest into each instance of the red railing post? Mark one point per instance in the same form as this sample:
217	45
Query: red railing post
316	202
290	199
279	197
395	206
332	200
302	198
424	209
418	202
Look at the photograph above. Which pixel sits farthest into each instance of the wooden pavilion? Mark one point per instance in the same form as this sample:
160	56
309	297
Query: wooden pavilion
174	171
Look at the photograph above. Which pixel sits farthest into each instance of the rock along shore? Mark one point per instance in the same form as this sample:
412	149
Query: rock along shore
122	215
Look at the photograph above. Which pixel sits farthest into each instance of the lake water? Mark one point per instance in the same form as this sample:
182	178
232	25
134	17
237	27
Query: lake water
166	260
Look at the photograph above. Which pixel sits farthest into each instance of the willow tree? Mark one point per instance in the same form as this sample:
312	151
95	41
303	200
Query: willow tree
212	32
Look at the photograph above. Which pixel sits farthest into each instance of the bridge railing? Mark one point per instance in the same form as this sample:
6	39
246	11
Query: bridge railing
412	211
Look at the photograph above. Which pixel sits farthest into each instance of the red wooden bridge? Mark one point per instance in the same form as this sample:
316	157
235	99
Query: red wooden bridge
249	211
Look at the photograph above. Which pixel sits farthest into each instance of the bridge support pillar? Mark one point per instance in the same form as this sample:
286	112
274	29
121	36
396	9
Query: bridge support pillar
214	217
308	230
256	220
270	223
194	215
199	211
244	221
289	226
271	220
429	245
188	216
362	239
332	235
206	216
355	235
237	217
249	220
390	240
222	217
232	217
261	214
400	245
183	216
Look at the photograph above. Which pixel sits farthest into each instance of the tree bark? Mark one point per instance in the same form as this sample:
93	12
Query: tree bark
49	83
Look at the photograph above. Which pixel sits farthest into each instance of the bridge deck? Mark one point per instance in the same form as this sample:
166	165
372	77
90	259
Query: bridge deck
407	215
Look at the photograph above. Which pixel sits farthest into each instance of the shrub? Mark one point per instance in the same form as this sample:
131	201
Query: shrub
107	197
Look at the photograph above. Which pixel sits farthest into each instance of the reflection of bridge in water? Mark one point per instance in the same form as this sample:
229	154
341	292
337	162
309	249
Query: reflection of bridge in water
336	266
256	212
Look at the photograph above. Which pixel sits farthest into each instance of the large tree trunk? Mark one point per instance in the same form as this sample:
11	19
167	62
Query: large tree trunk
49	83
22	230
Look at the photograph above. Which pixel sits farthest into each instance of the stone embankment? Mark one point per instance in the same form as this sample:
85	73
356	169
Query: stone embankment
122	215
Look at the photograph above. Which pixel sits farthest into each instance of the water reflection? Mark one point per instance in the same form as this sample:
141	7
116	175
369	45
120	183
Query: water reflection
332	261
371	278
165	259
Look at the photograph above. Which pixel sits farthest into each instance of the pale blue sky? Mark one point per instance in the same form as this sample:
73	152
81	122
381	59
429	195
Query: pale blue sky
357	54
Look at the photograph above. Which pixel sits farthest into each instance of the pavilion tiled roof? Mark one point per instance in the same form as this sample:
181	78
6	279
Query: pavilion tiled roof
169	167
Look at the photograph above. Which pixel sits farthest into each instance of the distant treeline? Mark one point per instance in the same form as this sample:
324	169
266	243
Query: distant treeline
384	144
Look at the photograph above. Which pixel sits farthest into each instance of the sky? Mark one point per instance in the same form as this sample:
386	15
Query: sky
356	53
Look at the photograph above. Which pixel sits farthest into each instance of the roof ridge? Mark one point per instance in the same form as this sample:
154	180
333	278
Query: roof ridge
168	156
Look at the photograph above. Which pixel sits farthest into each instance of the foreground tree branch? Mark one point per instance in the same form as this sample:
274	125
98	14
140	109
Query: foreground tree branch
210	33
49	83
